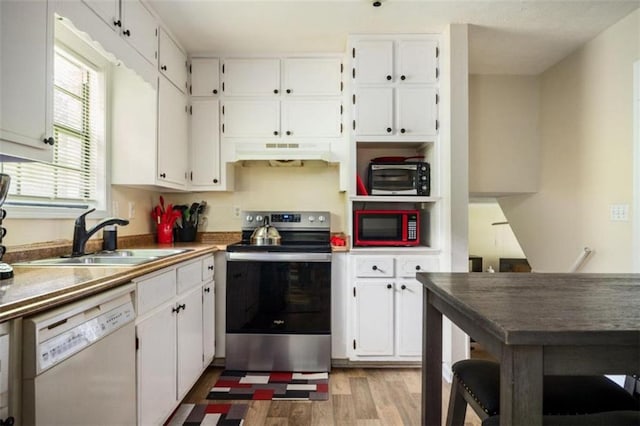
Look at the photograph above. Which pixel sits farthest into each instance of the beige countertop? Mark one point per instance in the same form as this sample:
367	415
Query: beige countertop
33	289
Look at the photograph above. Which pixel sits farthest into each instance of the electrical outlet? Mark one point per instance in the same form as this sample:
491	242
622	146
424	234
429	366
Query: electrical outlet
619	212
132	210
236	211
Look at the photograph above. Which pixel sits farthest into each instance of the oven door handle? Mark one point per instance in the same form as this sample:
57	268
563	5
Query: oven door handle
280	257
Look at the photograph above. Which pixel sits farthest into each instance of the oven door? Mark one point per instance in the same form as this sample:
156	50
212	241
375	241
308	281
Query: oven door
278	293
397	179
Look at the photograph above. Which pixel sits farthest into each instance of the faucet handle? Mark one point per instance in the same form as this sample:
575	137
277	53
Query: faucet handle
80	219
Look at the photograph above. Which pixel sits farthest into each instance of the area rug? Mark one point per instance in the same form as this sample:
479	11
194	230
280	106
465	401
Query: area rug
271	386
208	415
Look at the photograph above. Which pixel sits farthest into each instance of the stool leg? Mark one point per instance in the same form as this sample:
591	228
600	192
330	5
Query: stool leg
457	405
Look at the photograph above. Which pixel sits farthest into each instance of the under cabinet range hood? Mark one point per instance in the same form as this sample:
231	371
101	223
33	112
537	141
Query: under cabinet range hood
281	151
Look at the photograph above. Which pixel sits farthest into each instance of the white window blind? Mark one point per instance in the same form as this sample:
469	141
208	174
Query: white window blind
78	166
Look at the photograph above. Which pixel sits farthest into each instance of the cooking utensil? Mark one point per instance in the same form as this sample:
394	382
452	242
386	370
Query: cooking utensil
265	235
5	180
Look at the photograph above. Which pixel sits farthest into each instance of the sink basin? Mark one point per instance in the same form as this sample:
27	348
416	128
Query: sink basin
114	258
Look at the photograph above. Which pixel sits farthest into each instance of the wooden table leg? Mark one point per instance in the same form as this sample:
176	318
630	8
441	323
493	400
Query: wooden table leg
431	364
521	374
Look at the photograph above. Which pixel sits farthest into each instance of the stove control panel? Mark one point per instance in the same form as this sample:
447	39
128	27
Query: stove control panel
287	220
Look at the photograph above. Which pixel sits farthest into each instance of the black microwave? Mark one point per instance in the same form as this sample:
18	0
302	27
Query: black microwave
399	178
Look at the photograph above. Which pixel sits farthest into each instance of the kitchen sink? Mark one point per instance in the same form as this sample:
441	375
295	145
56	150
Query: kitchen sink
130	257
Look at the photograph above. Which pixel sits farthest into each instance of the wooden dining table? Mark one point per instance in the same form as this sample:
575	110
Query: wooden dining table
535	324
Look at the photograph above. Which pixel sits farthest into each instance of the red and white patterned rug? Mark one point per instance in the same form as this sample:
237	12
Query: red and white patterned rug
271	385
208	415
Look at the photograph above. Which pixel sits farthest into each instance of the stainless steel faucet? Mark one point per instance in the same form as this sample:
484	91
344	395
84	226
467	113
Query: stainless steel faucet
81	234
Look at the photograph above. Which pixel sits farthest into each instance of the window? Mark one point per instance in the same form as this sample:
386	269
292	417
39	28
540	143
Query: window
76	177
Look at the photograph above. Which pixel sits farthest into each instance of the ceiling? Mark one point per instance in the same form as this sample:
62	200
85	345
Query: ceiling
505	37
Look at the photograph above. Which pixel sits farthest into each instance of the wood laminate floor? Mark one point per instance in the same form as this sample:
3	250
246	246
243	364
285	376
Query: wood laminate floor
357	396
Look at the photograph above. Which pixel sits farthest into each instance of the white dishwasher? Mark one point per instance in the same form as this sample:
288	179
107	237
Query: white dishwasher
79	364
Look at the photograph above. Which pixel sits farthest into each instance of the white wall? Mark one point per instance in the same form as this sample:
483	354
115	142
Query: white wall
503	134
314	186
586	142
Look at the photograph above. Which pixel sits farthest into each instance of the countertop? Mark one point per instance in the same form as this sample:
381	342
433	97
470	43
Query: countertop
33	289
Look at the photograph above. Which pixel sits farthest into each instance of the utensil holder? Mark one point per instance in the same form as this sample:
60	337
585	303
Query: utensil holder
165	233
185	234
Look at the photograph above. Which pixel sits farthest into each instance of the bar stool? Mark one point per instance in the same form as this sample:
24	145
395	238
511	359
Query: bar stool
477	383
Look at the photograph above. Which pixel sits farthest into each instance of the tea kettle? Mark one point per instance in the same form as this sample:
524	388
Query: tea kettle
265	235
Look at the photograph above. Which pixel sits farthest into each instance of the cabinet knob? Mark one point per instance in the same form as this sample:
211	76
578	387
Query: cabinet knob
402	131
49	141
163	175
402	77
163	68
210	267
215	91
275	133
388	129
275	91
215	181
117	23
389	286
388	77
404	287
289	90
127	33
374	267
288	133
207	290
183	306
176	309
417	267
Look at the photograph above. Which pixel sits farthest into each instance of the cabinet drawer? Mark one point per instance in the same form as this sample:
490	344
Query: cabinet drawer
155	290
189	275
207	268
409	265
370	267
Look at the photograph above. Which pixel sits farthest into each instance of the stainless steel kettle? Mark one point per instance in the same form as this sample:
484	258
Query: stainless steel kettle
265	235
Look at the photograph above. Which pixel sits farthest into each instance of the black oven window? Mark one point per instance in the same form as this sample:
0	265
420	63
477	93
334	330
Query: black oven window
380	227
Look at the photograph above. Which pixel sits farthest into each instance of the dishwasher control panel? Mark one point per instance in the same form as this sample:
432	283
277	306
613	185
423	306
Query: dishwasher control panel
53	336
62	346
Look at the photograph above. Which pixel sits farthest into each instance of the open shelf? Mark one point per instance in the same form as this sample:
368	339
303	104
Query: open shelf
393	199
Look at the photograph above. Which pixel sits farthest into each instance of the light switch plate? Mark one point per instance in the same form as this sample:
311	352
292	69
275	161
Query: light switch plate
619	212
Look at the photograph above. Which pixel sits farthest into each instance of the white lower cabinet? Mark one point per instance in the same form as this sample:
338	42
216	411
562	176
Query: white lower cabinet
387	306
174	331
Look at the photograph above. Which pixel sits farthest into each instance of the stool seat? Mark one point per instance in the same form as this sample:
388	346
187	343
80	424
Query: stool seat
477	382
609	418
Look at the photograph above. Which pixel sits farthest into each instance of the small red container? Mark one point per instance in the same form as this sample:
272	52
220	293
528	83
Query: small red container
165	233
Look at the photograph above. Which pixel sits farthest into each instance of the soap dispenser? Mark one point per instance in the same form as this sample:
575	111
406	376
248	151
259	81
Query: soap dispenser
110	238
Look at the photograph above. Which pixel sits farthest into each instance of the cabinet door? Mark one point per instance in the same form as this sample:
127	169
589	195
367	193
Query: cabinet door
4	375
140	29
208	322
373	61
251	77
156	366
205	78
409	313
172	134
251	118
189	338
417	61
316	119
374	267
205	142
374	111
173	61
107	10
417	111
408	266
26	84
312	76
373	318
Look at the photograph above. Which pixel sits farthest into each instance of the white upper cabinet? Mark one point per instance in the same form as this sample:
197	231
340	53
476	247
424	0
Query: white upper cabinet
26	82
107	10
251	77
172	134
373	60
312	77
417	111
374	112
417	61
311	118
205	144
251	118
140	29
205	76
172	61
